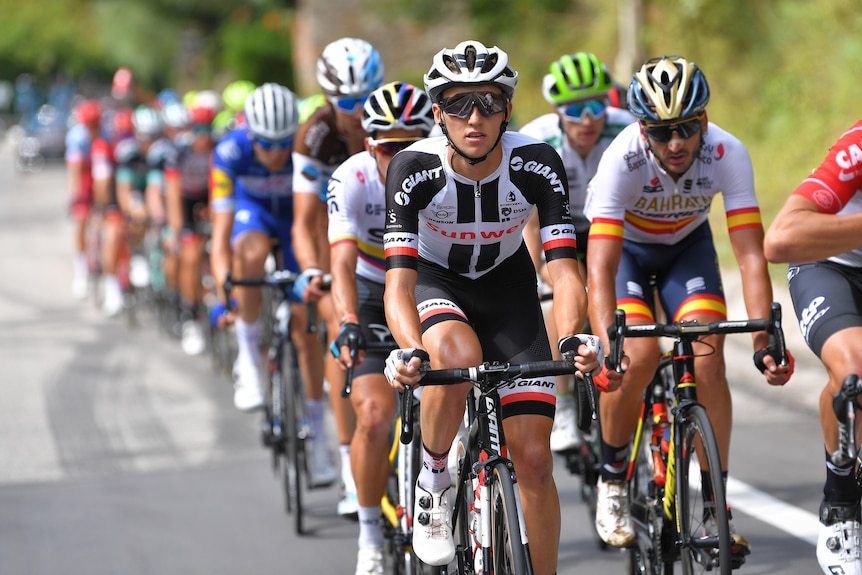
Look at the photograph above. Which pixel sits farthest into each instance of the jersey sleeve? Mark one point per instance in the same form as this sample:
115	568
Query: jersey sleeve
839	177
542	177
341	198
411	177
309	175
737	188
222	175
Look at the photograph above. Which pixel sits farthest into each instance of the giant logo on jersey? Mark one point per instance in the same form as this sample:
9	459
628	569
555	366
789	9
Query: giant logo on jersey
402	198
517	164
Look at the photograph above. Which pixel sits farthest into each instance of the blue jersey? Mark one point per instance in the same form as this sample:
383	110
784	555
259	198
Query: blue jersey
238	176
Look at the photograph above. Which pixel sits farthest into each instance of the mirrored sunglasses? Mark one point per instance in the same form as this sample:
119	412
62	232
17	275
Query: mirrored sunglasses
349	104
662	133
577	110
270	145
391	146
461	105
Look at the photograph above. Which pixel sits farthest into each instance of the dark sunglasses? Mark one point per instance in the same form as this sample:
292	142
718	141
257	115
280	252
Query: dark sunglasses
461	105
577	110
390	147
270	145
662	133
349	104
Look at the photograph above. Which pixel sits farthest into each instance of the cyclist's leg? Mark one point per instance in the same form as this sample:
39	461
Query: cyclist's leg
520	335
826	299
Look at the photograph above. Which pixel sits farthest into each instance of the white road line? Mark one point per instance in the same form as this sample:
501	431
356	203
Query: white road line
764	507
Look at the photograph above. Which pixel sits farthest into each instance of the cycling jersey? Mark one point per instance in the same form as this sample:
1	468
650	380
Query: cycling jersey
238	175
79	146
471	227
141	168
193	169
836	185
317	151
357	204
579	170
631	195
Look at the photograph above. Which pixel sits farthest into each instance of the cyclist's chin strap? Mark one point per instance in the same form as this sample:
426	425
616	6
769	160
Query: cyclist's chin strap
474	161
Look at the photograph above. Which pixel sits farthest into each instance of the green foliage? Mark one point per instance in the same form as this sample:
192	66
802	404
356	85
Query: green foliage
255	52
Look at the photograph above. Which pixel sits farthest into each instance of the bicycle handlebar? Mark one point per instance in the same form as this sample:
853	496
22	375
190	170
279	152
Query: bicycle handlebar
279	279
692	330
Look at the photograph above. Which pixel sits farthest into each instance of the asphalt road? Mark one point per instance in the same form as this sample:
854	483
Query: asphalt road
120	455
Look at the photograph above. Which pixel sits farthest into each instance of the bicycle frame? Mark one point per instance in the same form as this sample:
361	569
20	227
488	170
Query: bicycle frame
686	412
486	452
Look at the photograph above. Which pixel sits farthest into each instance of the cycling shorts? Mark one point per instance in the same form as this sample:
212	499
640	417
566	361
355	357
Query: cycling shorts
508	322
827	298
193	212
686	276
373	323
251	217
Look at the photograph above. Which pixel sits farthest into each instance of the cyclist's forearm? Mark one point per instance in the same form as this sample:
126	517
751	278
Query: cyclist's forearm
304	235
399	303
570	301
220	255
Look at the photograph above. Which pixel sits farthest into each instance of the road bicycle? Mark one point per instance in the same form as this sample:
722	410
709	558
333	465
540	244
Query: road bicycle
674	447
285	427
487	517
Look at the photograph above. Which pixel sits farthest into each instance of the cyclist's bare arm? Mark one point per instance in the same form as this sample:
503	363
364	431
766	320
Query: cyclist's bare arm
220	252
305	236
343	259
603	259
747	246
533	240
801	233
399	301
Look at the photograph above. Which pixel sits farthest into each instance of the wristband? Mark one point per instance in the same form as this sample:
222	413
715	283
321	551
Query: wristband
348	318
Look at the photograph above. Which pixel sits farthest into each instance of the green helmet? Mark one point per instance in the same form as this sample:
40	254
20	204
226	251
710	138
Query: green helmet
235	94
576	76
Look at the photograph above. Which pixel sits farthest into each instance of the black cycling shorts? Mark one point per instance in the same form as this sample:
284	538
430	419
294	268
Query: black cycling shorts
827	298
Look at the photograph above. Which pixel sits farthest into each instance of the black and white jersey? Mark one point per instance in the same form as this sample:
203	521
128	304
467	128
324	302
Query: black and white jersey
470	227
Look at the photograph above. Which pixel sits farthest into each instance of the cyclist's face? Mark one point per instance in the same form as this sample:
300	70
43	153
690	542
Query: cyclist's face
273	159
382	148
476	134
678	154
583	134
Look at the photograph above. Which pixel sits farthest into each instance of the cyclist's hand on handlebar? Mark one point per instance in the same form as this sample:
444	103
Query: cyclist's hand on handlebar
403	367
308	285
349	336
766	362
587	350
221	316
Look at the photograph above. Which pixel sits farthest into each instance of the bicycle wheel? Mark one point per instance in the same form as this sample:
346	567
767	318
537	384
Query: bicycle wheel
293	464
464	503
699	552
510	554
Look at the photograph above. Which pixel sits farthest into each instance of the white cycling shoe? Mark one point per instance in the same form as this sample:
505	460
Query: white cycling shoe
838	542
433	542
247	394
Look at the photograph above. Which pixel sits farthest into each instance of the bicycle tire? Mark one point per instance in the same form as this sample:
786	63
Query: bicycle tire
695	557
293	466
461	513
510	554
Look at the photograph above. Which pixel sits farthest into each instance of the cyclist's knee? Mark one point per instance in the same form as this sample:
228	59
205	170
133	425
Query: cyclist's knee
533	459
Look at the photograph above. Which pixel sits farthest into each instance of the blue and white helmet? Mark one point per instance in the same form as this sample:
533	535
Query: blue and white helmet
349	67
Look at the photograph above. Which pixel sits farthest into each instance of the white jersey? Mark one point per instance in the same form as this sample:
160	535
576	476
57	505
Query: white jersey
578	170
356	198
632	196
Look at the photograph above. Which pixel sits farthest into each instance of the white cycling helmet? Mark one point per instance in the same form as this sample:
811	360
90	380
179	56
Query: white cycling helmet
147	121
271	112
397	105
349	67
175	115
470	62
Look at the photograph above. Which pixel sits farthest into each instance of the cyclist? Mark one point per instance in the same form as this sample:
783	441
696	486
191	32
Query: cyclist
461	288
187	195
581	128
394	116
817	232
649	205
251	204
79	144
347	71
